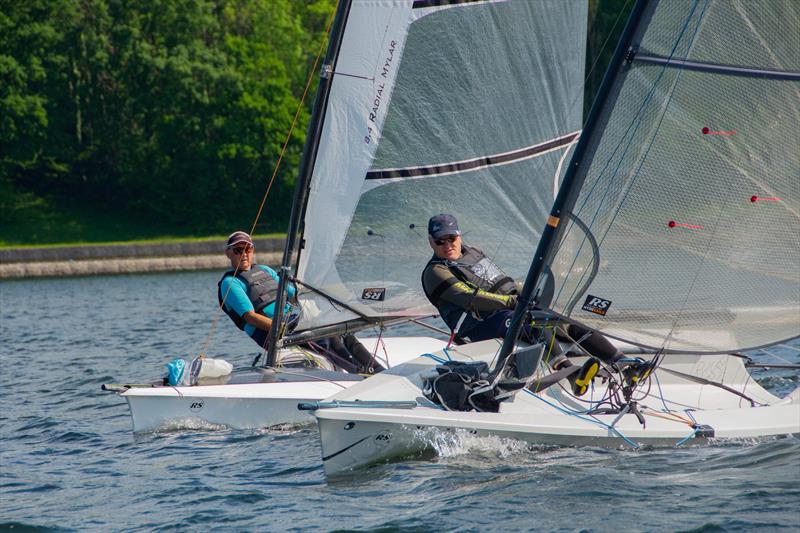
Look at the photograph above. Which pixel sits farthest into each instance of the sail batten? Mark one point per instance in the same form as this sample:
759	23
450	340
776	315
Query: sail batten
476	163
735	70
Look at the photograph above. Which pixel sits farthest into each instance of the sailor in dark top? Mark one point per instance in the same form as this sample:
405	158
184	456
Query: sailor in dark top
248	292
473	295
476	299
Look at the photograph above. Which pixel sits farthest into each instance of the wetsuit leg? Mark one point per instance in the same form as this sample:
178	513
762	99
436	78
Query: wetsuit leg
493	326
365	359
595	343
554	355
334	350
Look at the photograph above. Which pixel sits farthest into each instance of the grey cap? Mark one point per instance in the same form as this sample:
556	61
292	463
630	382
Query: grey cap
442	225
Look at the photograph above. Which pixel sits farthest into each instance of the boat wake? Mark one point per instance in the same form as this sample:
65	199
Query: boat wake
457	442
283	429
184	424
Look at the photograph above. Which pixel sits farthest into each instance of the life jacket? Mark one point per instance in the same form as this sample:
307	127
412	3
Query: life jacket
477	271
262	290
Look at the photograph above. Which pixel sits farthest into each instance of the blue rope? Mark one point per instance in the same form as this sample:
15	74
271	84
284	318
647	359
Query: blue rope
435	358
682	441
633	444
447	353
661	394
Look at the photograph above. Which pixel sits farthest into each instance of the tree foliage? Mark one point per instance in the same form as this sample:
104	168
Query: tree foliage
169	114
174	111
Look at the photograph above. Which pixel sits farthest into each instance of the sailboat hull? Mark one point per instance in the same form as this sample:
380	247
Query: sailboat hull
244	406
253	397
355	437
368	442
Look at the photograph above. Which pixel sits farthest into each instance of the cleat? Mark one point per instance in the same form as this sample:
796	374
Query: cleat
583	378
638	372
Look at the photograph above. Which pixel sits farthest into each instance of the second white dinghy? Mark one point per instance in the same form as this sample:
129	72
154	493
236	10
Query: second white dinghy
254	397
676	229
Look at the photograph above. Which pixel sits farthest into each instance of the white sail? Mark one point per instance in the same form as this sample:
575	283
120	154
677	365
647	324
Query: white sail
461	107
691	184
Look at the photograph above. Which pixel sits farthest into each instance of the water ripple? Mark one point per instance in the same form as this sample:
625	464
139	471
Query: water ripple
69	462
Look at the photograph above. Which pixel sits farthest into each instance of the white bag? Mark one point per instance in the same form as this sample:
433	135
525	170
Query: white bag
205	367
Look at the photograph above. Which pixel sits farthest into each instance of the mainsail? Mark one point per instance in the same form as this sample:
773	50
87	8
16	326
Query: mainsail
467	107
683	229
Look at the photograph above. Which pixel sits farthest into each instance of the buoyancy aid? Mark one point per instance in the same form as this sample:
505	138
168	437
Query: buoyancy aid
262	290
478	272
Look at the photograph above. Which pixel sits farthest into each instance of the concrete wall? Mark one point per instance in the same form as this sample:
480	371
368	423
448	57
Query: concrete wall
126	258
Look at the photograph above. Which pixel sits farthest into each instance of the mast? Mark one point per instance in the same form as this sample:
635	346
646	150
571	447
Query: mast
307	167
570	187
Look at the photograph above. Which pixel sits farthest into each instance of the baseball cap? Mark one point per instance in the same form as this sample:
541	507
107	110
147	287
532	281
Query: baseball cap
442	225
239	237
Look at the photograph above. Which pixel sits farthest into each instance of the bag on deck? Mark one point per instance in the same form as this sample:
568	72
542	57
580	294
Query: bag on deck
458	386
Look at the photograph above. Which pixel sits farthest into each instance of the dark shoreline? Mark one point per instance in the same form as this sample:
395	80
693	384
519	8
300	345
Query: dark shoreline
16	263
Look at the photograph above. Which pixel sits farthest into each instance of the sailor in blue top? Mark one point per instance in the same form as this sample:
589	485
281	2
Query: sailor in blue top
247	280
247	293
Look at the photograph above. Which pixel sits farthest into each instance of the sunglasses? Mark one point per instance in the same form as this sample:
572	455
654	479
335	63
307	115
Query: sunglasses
449	238
242	249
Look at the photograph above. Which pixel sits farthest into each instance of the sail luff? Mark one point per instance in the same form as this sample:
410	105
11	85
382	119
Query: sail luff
307	166
568	192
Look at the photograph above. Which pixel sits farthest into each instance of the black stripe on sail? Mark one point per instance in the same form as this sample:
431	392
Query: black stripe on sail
730	70
418	4
472	164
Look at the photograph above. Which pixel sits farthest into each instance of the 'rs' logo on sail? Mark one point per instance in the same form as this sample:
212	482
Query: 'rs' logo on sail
596	305
374	294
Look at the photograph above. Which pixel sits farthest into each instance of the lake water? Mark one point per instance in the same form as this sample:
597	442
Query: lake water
69	461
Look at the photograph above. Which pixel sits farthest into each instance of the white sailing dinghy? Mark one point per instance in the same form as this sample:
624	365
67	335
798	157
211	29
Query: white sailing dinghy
380	160
676	230
254	397
344	286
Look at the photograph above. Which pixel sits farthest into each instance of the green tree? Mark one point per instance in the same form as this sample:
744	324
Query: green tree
172	112
26	40
132	118
607	19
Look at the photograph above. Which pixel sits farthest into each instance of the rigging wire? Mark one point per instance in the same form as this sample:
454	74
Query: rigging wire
589	418
572	105
588	75
305	375
622	10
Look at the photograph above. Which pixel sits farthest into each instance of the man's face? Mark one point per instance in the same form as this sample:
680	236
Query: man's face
448	247
241	256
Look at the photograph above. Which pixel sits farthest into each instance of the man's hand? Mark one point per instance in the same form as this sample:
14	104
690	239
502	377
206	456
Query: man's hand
512	301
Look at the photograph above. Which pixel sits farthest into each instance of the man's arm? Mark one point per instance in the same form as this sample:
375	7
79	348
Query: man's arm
439	279
257	320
